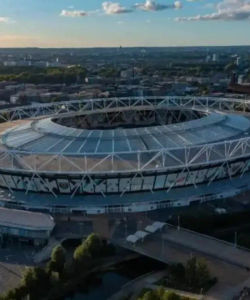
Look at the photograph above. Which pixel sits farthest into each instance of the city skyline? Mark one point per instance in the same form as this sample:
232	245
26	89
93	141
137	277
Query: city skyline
97	23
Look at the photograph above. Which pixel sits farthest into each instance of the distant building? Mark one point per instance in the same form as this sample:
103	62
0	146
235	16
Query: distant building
9	63
215	57
238	61
127	73
208	58
240	79
239	88
14	99
21	63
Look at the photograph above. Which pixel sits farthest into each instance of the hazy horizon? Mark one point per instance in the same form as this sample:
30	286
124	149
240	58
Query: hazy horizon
127	47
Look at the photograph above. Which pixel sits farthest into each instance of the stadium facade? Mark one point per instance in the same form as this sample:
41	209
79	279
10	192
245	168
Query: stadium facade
123	154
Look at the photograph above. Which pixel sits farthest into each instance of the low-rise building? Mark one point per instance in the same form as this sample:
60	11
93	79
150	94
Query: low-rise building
31	226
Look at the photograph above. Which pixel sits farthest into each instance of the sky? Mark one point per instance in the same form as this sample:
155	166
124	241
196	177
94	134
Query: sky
100	23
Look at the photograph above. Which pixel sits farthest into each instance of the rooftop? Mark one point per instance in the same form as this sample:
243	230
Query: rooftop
25	219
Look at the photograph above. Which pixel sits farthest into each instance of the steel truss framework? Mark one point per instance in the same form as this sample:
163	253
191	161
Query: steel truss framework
134	164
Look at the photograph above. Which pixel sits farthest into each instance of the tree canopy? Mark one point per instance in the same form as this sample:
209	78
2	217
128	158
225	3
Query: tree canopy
161	294
58	259
43	75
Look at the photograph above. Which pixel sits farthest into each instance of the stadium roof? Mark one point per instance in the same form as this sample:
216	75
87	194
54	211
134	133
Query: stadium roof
32	140
49	137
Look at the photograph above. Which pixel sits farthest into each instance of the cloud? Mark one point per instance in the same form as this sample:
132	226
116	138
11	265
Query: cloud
73	13
113	8
227	10
177	4
151	5
5	20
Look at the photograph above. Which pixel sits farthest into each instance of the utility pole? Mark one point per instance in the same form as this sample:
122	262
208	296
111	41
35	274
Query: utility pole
179	223
162	247
126	229
235	239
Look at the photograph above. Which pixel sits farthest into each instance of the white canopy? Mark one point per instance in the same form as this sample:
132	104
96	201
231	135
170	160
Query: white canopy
141	234
159	225
151	229
132	239
155	226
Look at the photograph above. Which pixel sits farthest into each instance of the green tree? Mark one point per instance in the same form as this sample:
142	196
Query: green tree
149	295
197	273
28	279
18	293
203	274
58	259
43	75
94	245
191	272
177	272
109	72
171	296
160	292
82	257
36	282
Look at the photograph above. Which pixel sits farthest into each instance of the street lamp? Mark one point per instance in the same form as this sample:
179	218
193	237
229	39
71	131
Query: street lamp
126	229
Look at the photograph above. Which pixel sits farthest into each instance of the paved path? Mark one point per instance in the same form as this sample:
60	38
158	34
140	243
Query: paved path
13	262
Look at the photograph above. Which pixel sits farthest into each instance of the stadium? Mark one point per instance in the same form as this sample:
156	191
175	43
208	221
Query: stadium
123	154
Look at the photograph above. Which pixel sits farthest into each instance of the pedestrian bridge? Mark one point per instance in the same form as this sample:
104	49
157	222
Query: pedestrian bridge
165	243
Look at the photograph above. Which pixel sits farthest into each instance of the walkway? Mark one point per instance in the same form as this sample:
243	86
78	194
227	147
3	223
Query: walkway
229	264
207	245
155	246
135	286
